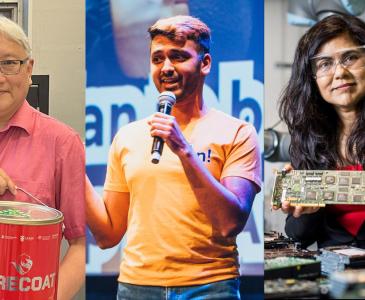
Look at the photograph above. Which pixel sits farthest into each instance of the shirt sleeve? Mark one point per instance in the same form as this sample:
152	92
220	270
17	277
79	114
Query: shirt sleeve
115	179
70	185
244	159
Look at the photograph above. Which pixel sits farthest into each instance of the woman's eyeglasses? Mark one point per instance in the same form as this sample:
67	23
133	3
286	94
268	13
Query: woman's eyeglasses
350	59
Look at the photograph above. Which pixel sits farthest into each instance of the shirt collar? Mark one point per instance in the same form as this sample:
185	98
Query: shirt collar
22	118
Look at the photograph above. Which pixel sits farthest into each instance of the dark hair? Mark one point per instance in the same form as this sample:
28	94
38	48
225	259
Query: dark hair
182	28
312	122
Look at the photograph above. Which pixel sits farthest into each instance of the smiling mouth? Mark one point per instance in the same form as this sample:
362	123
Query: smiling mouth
343	86
170	81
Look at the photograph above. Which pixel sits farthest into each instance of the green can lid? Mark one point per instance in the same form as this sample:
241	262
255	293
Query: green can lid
24	213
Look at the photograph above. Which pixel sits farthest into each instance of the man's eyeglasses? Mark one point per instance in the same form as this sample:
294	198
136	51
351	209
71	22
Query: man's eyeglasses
350	59
11	66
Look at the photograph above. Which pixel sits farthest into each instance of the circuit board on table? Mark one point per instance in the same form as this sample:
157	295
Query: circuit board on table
291	267
291	289
319	187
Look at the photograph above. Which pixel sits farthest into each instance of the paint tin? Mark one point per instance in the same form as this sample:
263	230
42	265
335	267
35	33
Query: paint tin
30	237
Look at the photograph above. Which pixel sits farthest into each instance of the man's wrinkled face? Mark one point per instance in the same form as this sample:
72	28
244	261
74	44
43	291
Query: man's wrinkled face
13	88
178	67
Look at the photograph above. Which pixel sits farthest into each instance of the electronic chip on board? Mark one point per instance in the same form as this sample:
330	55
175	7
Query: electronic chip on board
319	187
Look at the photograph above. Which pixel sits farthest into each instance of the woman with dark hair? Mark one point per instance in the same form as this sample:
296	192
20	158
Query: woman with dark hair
324	108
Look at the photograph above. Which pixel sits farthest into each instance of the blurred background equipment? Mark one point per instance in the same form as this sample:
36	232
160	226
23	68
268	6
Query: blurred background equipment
339	258
349	284
276	145
308	12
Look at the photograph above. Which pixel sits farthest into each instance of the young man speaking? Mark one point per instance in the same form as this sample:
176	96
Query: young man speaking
181	216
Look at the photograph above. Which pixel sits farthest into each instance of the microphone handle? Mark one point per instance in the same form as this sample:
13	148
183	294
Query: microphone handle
157	145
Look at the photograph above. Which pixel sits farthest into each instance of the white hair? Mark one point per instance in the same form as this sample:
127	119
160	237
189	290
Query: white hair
15	33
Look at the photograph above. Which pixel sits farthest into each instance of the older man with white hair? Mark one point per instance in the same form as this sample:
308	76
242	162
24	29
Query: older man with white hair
40	154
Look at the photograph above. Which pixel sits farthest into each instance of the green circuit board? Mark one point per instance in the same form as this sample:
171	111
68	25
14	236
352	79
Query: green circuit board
282	262
319	187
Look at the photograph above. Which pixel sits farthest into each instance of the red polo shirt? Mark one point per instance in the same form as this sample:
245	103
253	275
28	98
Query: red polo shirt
46	158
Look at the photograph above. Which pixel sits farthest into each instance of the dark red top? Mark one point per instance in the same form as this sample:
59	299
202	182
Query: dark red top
351	217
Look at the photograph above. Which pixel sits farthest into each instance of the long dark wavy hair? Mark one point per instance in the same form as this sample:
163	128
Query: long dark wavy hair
313	123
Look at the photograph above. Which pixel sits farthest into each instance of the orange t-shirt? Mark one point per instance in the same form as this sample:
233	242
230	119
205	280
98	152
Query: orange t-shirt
170	241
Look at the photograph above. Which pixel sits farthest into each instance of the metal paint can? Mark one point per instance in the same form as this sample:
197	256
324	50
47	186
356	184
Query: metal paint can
30	237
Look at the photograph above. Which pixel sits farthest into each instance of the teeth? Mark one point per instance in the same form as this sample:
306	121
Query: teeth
169	80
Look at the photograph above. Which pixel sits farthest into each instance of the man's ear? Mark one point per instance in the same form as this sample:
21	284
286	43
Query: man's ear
30	65
206	64
30	70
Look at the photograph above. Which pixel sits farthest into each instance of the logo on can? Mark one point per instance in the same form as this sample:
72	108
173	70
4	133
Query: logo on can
23	264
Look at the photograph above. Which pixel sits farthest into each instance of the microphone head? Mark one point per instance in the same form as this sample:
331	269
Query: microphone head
155	158
167	96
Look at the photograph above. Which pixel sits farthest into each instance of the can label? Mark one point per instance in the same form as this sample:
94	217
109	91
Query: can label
29	261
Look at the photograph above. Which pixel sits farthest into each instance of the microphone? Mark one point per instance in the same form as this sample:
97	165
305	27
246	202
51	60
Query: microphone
165	102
